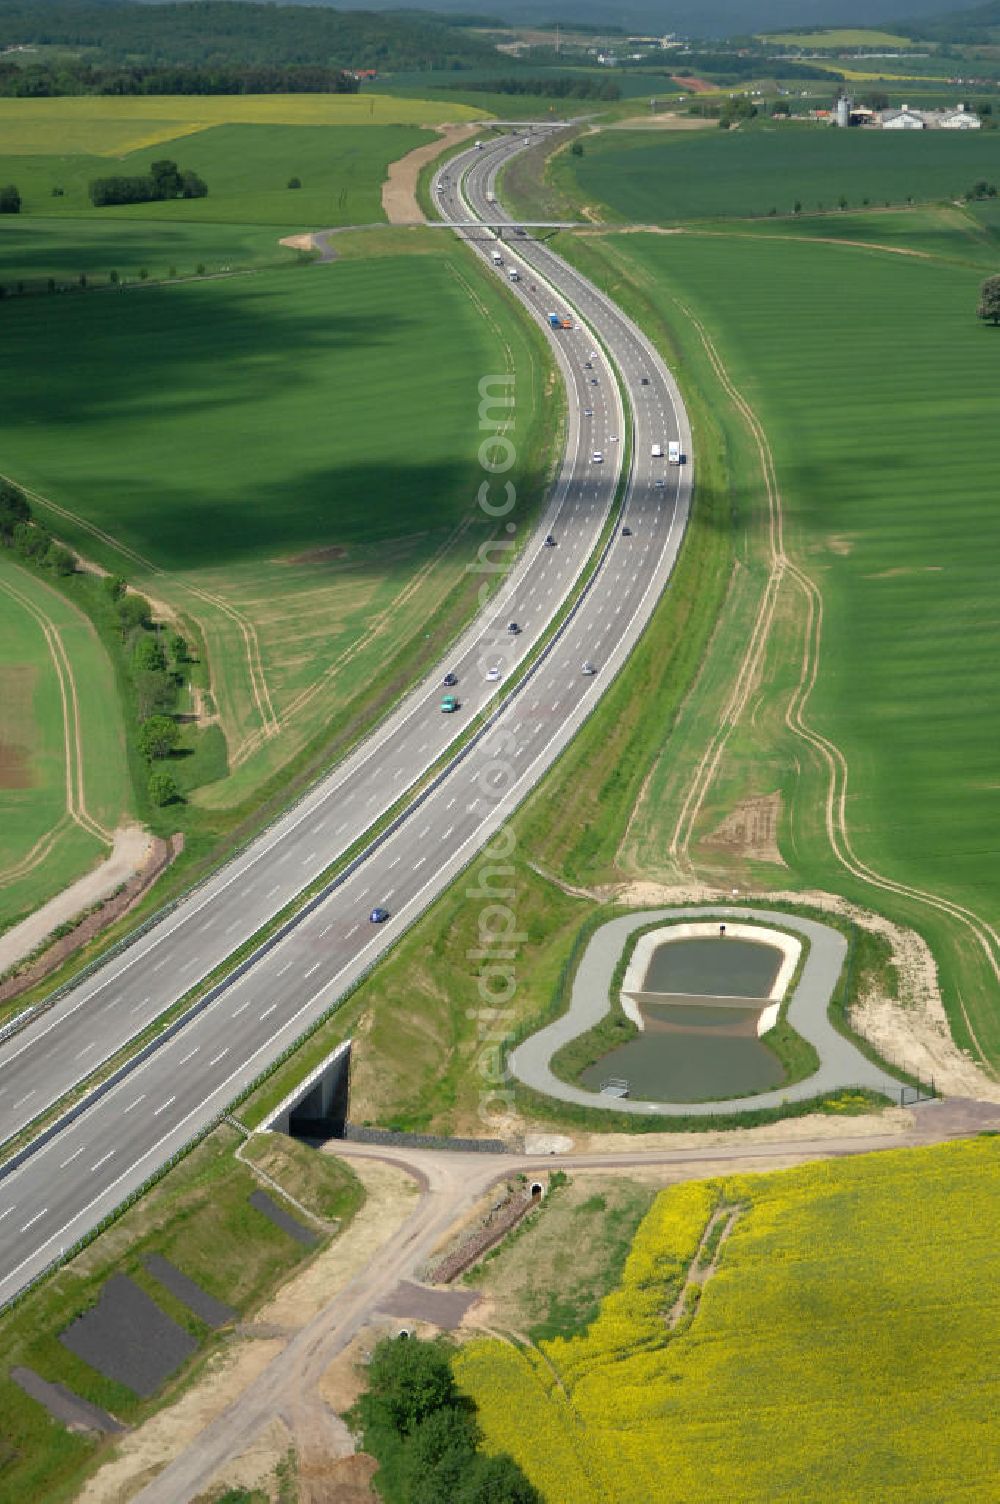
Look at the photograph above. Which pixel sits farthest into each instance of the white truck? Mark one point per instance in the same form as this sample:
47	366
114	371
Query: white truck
514	274
496	258
657	451
673	452
491	198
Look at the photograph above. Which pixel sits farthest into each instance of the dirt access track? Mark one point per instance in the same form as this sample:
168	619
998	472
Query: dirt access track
399	191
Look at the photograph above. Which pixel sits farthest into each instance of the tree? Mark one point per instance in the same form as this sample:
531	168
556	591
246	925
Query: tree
134	611
179	649
31	542
149	654
162	788
842	201
496	1480
61	560
166	179
192	186
158	736
440	1454
14	508
989	301
10	200
295	182
406	1382
155	691
114	586
576	149
876	99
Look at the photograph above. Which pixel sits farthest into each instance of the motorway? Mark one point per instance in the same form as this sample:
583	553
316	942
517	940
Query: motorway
71	1182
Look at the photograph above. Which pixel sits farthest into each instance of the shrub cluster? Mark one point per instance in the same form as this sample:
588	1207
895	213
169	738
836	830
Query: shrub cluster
164	180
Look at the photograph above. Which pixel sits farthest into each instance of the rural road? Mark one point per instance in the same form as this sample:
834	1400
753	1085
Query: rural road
450	1184
70	1182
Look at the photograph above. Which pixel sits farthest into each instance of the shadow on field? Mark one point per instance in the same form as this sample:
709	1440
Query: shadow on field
192	421
350	508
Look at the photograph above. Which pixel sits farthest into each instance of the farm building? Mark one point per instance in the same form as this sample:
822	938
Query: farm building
903	120
958	119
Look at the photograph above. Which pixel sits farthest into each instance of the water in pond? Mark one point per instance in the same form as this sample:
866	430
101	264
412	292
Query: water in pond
690	1064
713	966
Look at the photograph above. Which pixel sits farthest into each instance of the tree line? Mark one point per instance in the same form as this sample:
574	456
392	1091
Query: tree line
566	86
53	81
154	661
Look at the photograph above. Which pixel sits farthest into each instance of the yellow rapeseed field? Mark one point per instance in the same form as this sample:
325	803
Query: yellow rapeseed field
846	1348
109	125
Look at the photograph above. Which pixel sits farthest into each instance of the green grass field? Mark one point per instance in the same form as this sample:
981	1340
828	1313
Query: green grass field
199	1217
679	176
64	783
35	247
247	168
150	415
846	1290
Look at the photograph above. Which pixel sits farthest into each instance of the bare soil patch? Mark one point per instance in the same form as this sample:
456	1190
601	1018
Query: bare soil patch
17	725
751	830
668	121
399	191
100	897
695	86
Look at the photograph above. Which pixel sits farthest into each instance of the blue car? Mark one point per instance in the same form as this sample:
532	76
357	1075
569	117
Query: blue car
378	916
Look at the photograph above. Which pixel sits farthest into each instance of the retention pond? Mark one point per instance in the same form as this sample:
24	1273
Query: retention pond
700	1003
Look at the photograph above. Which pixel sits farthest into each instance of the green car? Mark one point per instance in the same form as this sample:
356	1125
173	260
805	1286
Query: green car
448	704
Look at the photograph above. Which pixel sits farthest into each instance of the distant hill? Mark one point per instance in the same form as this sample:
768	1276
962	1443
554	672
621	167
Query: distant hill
212	32
696	18
981	23
410	34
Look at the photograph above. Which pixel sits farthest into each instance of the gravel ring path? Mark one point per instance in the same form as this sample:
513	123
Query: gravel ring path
841	1063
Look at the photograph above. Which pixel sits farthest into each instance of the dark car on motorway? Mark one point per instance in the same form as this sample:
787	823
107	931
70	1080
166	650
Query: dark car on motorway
378	916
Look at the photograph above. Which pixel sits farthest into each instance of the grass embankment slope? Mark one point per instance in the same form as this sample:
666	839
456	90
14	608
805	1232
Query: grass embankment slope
885	472
671	178
199	1218
64	783
827	1307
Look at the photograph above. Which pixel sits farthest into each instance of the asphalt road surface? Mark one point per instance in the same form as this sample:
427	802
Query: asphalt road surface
75	1179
